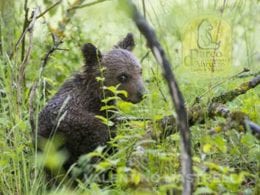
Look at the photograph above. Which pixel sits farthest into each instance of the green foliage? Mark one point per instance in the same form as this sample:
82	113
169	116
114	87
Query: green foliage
226	162
51	157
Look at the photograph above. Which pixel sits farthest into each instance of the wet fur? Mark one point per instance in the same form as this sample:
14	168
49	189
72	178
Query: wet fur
71	111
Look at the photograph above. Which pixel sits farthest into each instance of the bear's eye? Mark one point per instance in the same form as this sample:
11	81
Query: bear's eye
122	78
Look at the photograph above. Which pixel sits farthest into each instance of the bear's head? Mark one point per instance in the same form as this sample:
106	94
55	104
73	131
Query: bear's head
121	67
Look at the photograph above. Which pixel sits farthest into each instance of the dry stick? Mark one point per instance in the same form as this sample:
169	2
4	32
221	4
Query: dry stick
22	66
144	10
67	18
218	32
25	24
25	27
198	113
242	89
1	41
221	82
87	4
249	74
30	30
22	36
145	56
56	44
235	119
32	108
48	9
253	126
156	80
176	96
216	106
158	86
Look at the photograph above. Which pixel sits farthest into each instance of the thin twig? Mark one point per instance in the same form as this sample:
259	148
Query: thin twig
221	82
242	89
130	118
1	41
86	5
253	126
158	86
56	44
249	74
145	56
217	37
156	80
25	24
144	8
48	9
176	96
235	119
22	66
20	39
216	107
22	36
32	108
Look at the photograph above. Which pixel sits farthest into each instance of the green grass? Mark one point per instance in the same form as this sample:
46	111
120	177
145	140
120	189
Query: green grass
226	162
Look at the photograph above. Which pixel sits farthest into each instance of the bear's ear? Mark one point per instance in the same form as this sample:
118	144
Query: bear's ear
127	43
91	54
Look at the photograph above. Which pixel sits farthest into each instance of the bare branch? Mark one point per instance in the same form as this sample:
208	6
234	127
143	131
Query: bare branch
176	96
145	56
223	81
249	74
242	89
25	24
86	5
158	86
22	36
144	8
253	126
56	44
216	107
130	118
32	108
48	9
22	66
235	120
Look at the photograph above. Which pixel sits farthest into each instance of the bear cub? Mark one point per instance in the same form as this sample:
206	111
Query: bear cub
73	109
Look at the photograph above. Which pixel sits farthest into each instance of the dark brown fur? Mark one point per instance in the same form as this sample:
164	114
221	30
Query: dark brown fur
71	112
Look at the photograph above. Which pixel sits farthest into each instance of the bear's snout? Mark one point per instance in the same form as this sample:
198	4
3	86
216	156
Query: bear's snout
139	96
